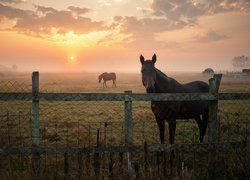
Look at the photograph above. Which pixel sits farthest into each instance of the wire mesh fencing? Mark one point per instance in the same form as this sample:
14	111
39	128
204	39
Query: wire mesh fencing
15	117
69	124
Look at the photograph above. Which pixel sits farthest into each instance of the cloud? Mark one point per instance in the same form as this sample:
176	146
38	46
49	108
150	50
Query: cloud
190	10
44	10
174	15
146	26
12	1
13	13
162	16
208	36
142	32
44	21
79	11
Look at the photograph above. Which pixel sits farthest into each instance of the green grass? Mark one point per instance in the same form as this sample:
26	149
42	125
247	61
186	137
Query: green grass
75	124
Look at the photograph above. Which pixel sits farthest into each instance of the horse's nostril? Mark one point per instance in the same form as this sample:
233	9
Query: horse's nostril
150	90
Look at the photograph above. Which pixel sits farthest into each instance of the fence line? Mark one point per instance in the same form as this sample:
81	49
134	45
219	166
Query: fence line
128	97
123	96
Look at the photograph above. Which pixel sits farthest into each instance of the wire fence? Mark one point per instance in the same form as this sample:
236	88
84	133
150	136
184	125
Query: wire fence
74	135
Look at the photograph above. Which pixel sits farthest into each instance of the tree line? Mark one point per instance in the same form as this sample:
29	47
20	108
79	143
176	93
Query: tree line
241	62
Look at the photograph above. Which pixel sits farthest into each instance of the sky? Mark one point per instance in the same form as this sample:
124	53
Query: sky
110	35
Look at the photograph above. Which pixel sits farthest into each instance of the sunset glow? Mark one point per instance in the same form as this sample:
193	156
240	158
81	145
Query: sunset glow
110	35
72	60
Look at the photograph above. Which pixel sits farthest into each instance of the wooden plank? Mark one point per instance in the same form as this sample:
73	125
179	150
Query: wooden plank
198	147
128	118
16	96
35	119
233	96
128	127
15	151
121	96
214	84
35	109
142	96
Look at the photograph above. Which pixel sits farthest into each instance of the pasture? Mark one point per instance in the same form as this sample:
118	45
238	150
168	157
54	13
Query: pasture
79	123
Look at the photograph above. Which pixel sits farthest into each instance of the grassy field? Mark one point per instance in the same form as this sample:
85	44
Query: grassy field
88	82
75	124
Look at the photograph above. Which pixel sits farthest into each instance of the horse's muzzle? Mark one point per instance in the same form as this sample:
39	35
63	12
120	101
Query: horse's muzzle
150	89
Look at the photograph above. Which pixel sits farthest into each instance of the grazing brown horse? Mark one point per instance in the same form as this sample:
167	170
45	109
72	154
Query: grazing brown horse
157	82
106	77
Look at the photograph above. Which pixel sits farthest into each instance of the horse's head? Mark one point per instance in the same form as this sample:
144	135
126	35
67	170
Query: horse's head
148	72
100	78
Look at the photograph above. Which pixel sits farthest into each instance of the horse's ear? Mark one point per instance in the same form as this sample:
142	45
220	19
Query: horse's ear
142	59
154	58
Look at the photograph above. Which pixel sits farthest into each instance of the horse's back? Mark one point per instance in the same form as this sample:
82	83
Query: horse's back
196	86
182	109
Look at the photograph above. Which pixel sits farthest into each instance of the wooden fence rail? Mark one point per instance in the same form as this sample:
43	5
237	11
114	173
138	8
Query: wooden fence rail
128	97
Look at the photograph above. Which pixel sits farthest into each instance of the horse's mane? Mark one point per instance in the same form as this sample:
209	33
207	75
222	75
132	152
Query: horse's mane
161	73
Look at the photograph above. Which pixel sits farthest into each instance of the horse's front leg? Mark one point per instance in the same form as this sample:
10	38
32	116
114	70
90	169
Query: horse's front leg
171	127
161	125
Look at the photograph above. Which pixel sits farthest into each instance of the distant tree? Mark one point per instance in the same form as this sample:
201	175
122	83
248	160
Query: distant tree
241	62
208	71
14	67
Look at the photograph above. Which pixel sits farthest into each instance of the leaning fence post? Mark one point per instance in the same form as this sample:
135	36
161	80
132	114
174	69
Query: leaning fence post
214	84
128	124
35	118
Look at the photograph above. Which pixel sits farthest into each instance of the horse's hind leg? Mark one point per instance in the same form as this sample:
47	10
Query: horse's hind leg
205	121
113	85
172	127
201	127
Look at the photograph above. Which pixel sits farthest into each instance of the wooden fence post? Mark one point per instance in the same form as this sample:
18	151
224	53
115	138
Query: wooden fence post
35	119
128	125
128	118
214	84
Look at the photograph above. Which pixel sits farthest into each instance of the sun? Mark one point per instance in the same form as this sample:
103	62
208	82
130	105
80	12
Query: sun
72	59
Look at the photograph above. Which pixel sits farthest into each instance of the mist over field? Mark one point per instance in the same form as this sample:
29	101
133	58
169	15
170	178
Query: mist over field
88	82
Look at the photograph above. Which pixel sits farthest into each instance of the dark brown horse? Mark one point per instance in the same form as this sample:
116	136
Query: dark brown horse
157	82
107	77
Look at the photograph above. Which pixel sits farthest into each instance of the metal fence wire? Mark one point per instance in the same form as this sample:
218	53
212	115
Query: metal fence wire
100	124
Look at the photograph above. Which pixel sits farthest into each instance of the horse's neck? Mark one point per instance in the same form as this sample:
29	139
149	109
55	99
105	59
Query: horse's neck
165	84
